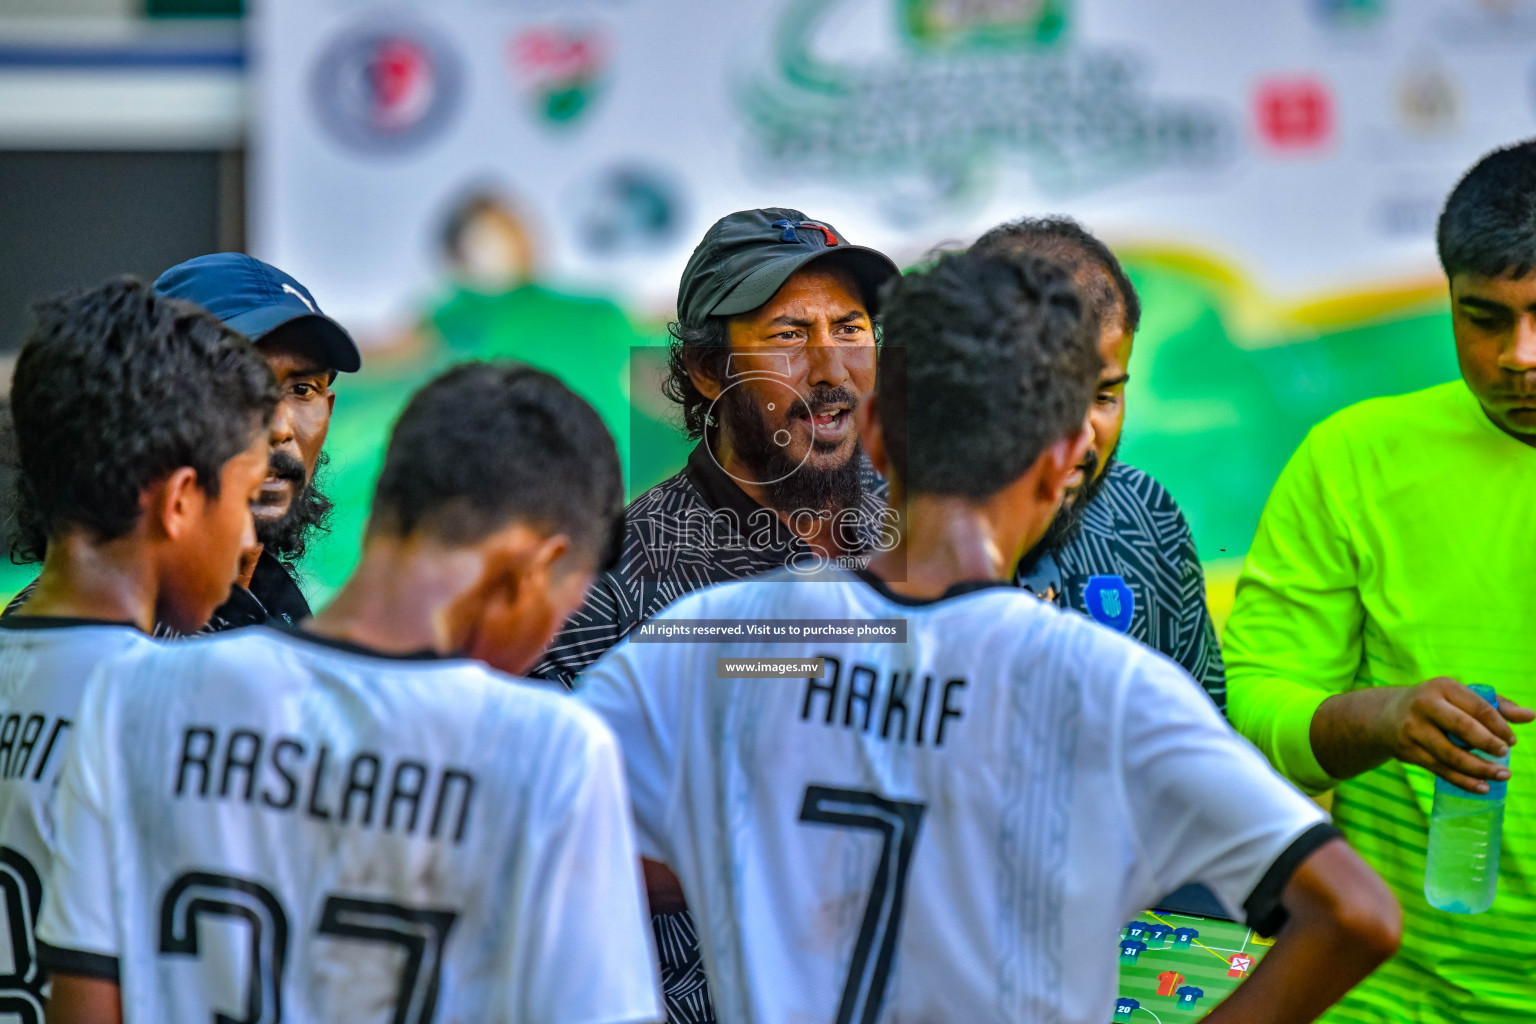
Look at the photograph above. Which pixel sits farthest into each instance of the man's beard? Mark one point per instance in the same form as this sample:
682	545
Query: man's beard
1069	518
289	535
794	485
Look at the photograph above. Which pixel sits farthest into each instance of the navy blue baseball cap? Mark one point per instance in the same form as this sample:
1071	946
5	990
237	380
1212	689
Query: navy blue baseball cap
256	298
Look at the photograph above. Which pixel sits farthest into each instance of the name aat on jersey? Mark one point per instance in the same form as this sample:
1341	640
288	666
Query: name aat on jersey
907	710
27	741
286	773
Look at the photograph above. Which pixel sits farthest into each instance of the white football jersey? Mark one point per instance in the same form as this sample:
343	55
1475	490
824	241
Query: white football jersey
44	663
267	827
951	828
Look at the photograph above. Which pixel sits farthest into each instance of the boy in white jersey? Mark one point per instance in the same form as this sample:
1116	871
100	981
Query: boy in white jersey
360	821
954	827
140	425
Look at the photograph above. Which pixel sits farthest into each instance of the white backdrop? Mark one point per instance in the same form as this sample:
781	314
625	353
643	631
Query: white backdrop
1307	143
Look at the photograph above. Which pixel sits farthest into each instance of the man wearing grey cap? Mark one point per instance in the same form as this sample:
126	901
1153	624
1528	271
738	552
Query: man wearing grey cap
773	349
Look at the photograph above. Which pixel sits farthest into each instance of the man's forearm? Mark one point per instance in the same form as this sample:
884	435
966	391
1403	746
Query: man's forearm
662	888
1346	733
78	1000
1343	924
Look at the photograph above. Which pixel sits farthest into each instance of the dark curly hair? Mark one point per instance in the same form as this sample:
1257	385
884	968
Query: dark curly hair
988	361
705	347
1488	226
486	444
1073	247
19	526
116	387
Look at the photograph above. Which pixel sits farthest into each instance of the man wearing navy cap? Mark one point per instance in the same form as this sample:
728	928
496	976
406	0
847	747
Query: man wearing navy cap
305	349
773	349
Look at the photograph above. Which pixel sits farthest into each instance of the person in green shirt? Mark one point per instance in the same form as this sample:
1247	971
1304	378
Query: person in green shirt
496	308
1395	562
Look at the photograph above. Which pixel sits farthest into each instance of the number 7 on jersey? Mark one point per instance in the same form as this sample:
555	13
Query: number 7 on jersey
897	821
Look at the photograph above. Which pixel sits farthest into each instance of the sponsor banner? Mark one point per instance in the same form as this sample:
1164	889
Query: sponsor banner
1307	142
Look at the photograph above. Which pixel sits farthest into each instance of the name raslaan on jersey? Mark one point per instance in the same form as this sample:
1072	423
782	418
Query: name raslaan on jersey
857	701
286	773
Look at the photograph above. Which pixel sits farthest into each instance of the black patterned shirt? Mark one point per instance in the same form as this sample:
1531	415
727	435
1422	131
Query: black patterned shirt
1133	567
689	531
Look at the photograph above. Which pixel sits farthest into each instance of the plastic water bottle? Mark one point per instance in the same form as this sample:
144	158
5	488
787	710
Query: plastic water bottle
1462	873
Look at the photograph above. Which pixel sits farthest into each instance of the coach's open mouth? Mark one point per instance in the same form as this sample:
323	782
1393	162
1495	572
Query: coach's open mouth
830	422
274	496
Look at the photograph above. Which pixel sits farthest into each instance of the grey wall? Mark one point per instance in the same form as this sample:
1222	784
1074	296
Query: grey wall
71	219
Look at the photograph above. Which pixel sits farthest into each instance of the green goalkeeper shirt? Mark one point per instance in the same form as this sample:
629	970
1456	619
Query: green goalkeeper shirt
1398	545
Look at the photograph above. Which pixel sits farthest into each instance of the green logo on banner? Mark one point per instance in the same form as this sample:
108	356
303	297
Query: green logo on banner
983	24
1351	13
979	84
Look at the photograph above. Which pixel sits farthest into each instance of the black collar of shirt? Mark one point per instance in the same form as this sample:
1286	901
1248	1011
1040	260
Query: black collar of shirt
1042	577
11	621
273	594
954	590
348	647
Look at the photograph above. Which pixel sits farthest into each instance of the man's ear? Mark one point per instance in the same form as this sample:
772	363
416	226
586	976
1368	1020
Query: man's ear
507	618
703	382
866	418
173	505
518	568
544	561
1059	460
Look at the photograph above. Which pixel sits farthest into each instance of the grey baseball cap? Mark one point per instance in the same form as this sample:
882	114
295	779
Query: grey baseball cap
747	256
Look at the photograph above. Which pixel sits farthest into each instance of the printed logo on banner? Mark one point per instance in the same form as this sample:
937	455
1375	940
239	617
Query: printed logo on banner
387	86
961	23
978	83
1408	216
1349	13
629	210
561	70
1294	114
1429	100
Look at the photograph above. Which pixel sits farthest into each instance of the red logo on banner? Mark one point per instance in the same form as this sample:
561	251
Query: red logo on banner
386	86
402	81
558	54
1294	114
